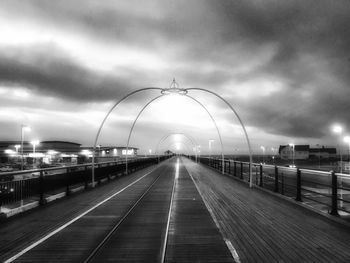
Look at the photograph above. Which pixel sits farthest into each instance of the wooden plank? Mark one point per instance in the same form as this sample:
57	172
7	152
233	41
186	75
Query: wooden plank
193	236
265	228
73	243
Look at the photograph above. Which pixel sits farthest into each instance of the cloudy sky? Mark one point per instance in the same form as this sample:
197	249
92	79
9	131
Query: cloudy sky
283	65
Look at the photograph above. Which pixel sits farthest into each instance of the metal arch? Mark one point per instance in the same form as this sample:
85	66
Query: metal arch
245	131
171	144
217	129
132	128
191	139
103	122
175	133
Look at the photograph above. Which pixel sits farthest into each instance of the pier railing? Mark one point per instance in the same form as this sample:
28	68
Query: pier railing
325	191
40	183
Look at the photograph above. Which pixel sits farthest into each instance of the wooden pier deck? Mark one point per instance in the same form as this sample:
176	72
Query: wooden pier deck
213	218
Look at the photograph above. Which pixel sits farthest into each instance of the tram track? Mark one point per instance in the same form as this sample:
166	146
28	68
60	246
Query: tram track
149	212
96	253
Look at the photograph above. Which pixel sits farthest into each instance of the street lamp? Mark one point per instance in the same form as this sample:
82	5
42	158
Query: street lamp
23	129
319	156
263	150
292	145
347	140
273	150
210	142
337	129
34	143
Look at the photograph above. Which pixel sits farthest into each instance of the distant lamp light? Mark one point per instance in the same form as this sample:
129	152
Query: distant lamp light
52	152
17	146
337	129
9	151
26	128
35	142
86	152
347	139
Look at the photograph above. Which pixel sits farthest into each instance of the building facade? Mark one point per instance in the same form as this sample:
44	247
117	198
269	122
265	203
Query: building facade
303	152
54	153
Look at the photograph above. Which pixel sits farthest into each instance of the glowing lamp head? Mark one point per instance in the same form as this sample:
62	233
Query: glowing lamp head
337	129
26	128
347	139
35	142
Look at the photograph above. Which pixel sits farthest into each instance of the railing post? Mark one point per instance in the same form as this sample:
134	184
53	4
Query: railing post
334	210
241	170
229	166
282	184
261	176
276	179
67	182
298	197
249	175
234	168
41	188
86	178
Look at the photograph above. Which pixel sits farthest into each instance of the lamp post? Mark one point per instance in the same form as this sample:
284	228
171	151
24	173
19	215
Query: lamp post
263	150
347	140
273	150
337	129
34	143
23	129
319	156
292	145
210	142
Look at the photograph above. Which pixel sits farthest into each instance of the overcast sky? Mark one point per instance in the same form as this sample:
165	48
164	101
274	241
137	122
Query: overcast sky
283	65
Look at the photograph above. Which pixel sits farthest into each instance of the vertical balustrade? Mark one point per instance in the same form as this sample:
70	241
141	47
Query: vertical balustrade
67	181
41	188
298	197
276	179
241	170
334	210
234	168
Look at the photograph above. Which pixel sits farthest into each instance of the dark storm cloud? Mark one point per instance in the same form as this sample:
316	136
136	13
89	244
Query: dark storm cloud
310	42
48	71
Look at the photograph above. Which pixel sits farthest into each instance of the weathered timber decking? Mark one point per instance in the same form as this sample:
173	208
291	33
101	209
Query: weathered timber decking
20	231
266	228
193	235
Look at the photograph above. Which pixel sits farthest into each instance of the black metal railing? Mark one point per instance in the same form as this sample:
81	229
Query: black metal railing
39	183
326	191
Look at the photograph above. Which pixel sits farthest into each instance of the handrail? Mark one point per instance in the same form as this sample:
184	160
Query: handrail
19	172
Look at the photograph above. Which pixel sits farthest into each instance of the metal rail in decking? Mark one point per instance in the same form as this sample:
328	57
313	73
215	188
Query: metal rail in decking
145	221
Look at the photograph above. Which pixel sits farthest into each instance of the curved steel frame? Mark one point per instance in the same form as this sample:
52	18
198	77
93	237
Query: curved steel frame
191	139
217	129
132	128
103	122
137	117
171	144
164	93
243	127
